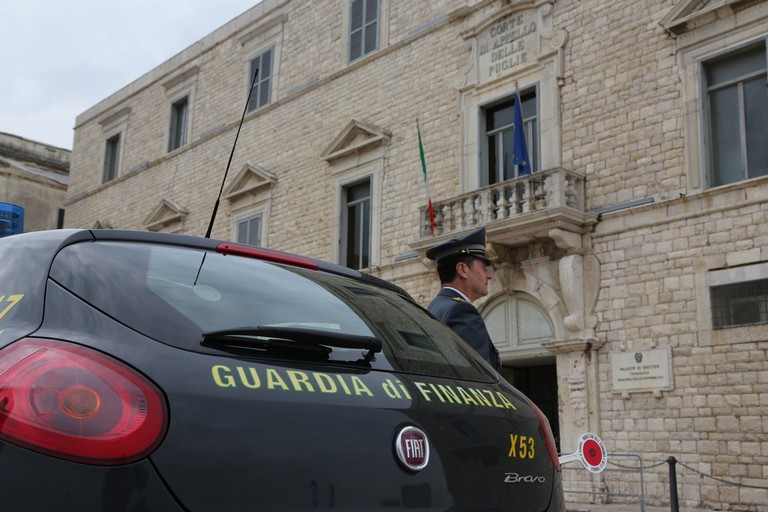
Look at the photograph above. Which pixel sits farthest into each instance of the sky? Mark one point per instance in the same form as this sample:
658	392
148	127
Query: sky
58	58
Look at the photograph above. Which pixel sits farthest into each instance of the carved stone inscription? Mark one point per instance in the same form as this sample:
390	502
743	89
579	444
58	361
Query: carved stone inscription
506	45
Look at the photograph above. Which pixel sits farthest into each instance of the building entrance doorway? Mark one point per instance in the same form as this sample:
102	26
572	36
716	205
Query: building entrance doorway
518	325
539	383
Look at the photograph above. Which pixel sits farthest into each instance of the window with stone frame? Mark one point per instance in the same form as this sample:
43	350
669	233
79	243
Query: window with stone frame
111	158
499	136
739	304
261	93
736	108
364	28
249	230
179	124
355	225
738	295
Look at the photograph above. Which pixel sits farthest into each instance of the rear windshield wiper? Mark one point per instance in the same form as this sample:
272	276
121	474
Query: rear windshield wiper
285	337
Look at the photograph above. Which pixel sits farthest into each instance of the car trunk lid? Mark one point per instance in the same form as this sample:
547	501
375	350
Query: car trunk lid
251	435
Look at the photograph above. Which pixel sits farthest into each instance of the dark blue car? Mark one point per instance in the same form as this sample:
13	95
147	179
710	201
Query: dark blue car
156	372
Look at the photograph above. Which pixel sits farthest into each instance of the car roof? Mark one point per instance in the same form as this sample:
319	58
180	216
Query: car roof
54	240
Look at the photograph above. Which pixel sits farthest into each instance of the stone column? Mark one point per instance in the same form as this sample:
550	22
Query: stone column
577	361
578	389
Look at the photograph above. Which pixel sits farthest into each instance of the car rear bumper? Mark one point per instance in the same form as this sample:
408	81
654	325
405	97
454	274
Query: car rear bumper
30	481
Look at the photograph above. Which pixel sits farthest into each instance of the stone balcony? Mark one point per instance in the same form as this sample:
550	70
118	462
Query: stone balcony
547	205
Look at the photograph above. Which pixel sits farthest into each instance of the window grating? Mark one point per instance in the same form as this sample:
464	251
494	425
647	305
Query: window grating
739	304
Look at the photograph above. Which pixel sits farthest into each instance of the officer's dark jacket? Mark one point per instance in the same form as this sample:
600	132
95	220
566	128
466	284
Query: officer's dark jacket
465	320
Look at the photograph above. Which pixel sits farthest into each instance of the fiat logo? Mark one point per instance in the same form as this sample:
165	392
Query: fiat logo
412	448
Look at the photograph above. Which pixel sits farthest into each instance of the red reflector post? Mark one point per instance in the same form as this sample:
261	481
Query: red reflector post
75	403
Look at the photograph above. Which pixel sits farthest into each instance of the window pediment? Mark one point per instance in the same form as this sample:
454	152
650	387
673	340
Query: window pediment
99	224
506	11
115	118
165	213
356	137
687	14
251	179
264	30
181	78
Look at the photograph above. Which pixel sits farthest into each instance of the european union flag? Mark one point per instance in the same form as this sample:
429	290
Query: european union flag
520	148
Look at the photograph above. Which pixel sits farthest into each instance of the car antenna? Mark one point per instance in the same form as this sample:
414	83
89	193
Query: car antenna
231	154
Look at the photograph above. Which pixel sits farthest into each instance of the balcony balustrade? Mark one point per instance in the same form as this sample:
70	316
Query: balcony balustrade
514	211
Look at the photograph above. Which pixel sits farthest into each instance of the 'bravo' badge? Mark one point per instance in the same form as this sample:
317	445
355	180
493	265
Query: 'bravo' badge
412	448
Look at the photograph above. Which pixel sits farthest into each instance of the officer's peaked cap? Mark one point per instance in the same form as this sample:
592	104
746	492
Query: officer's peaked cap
472	244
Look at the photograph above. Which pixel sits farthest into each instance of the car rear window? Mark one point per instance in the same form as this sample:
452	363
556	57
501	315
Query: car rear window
25	260
175	295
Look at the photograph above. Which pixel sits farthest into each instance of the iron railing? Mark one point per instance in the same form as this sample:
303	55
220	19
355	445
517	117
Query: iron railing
621	487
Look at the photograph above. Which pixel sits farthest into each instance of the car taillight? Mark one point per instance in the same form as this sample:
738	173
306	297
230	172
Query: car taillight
546	433
74	403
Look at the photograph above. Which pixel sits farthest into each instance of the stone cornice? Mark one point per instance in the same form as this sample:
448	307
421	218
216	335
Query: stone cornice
573	345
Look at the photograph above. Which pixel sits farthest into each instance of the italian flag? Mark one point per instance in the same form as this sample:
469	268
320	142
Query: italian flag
426	184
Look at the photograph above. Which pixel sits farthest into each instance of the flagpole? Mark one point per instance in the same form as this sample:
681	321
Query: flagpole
431	210
520	148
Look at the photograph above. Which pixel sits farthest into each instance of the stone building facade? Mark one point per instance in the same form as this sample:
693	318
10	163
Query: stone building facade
33	184
631	288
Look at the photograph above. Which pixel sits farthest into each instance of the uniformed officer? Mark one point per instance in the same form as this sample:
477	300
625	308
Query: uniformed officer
464	271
